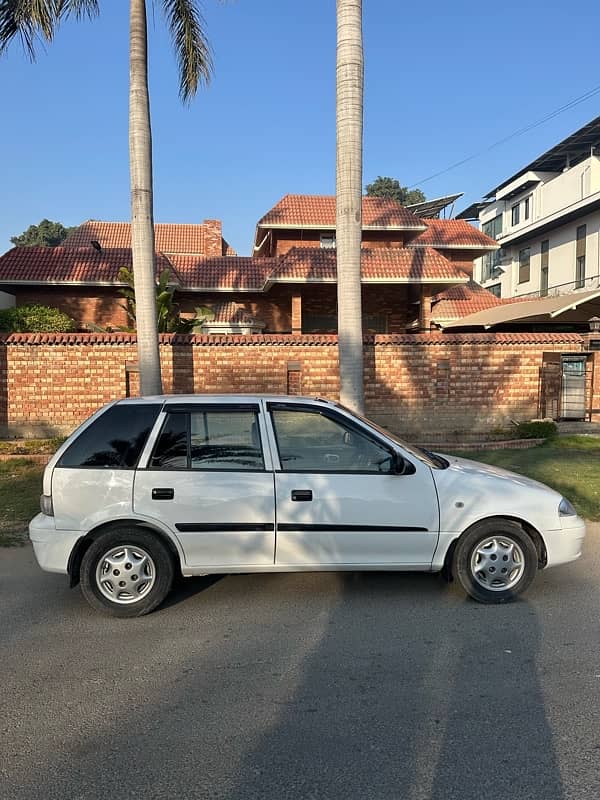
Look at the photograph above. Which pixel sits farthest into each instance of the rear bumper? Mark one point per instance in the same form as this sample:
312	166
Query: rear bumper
565	545
52	547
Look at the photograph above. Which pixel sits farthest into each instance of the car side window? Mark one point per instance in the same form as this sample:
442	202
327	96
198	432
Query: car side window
313	442
115	439
209	440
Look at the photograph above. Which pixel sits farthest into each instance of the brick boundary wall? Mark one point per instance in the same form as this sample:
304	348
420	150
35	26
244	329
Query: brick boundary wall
436	387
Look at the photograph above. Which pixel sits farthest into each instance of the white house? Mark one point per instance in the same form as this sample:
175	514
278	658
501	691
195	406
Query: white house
546	218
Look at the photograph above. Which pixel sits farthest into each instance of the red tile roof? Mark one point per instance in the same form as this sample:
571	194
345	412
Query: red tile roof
68	265
453	233
169	238
460	301
226	273
388	265
318	211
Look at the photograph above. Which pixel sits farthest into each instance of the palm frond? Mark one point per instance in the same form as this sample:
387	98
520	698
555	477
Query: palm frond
27	20
194	57
79	8
31	20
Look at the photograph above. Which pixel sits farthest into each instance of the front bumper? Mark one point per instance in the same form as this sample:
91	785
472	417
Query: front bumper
52	547
565	545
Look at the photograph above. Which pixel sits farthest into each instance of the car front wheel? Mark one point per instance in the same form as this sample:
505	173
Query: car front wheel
126	573
495	561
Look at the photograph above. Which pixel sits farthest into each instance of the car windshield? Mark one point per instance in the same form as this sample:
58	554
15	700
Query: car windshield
432	460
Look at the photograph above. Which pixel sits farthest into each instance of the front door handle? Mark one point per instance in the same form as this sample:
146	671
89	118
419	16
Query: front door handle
163	494
301	494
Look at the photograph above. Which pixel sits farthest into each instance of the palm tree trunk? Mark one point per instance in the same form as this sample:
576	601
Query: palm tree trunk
349	121
142	222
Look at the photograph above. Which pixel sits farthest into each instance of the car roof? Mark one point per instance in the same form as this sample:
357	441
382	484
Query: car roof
224	398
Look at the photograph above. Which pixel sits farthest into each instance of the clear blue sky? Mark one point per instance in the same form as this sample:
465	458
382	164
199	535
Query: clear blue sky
442	81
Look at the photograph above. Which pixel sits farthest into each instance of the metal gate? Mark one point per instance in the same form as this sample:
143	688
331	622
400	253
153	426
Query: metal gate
573	385
565	386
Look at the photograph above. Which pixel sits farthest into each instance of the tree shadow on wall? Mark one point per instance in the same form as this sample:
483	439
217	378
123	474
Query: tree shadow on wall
447	386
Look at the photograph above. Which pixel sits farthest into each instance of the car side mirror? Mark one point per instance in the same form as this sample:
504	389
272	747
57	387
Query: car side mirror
402	466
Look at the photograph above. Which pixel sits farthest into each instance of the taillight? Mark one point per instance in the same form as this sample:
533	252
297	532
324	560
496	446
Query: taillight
46	505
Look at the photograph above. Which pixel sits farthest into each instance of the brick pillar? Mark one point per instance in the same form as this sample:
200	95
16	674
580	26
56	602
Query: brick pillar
296	312
294	377
425	310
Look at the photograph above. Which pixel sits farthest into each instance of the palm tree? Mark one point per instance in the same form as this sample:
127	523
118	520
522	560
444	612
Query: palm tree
33	19
349	120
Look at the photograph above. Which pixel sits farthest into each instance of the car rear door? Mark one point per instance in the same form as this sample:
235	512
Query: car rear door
338	498
210	479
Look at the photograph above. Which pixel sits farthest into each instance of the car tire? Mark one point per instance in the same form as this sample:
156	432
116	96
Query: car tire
126	572
495	561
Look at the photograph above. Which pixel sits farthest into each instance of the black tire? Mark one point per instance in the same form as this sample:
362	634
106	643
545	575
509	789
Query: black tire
156	569
514	564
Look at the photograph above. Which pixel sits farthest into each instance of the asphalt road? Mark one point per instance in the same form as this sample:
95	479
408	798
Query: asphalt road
302	686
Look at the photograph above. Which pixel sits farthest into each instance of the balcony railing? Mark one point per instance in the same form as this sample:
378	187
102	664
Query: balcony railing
593	282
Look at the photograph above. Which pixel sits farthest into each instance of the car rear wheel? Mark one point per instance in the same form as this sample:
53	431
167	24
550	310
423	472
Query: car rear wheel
495	561
126	573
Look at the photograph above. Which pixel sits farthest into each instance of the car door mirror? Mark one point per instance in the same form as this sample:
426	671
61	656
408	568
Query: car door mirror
403	466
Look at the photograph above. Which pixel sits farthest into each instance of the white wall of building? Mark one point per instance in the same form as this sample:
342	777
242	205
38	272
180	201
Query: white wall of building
7	300
554	196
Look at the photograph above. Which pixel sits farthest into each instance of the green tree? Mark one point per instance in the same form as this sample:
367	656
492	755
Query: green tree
391	188
46	234
348	191
35	319
167	311
30	20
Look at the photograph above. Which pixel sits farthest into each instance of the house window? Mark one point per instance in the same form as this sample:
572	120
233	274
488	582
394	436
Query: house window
524	259
544	265
495	289
491	261
328	241
580	257
526	207
515	214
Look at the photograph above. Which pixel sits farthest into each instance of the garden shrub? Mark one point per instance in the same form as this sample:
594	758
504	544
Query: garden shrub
537	429
35	319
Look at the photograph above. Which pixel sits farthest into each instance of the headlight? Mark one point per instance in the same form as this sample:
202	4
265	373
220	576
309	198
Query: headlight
565	509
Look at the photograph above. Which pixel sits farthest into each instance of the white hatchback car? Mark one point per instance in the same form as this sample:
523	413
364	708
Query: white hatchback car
148	487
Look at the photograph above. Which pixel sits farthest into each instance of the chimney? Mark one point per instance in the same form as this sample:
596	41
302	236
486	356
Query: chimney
213	237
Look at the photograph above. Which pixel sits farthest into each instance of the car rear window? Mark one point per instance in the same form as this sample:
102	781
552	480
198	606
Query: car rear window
115	439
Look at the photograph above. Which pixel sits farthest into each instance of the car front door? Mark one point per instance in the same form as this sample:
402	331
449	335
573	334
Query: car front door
339	498
210	480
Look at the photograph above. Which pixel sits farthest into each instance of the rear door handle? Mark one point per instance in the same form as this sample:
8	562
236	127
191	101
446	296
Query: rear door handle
163	494
301	494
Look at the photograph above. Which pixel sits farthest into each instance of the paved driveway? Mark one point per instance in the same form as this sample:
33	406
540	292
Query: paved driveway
302	686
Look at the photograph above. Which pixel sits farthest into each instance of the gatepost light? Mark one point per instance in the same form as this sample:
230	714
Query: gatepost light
594	324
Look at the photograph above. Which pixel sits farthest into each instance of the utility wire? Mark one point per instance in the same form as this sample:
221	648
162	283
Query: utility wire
520	132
